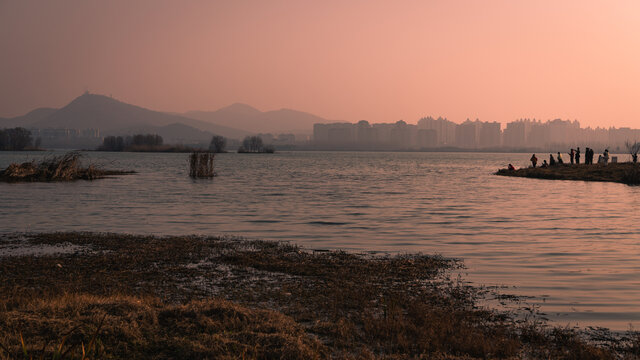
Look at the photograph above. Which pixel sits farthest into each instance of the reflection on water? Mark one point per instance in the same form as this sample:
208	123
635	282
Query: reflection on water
574	243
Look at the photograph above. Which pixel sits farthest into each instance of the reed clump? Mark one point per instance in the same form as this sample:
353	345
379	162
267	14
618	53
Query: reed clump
201	164
67	167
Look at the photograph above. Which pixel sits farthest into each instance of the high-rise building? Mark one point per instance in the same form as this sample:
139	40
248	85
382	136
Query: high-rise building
426	138
467	134
515	134
445	129
490	135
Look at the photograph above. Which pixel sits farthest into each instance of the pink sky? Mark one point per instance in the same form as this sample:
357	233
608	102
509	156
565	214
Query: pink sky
346	60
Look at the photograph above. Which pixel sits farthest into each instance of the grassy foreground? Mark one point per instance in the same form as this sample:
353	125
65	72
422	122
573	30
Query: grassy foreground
187	297
626	173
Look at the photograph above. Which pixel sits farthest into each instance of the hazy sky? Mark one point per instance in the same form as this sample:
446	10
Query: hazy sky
346	60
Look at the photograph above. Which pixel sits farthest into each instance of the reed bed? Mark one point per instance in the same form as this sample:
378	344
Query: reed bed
190	297
201	164
67	167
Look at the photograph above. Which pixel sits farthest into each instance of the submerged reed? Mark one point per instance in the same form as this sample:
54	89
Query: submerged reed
201	164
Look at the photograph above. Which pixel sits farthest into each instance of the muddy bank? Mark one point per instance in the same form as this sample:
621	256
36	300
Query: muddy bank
225	297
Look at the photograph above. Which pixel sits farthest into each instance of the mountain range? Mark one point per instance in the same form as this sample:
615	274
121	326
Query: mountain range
246	117
113	117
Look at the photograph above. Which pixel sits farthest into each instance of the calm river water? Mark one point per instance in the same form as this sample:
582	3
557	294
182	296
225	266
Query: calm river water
574	245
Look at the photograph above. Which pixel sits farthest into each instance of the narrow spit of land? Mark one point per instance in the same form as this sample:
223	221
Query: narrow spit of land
626	173
188	297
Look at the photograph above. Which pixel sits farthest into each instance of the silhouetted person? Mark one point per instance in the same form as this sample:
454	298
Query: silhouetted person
572	154
634	158
560	161
578	155
552	161
605	156
511	168
544	164
586	155
534	160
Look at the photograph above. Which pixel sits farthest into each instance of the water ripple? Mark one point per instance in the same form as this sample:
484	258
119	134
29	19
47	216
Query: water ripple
575	242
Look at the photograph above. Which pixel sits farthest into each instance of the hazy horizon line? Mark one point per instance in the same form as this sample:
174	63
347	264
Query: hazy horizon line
415	122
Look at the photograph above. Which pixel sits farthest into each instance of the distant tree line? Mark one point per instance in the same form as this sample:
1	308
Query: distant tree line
15	139
119	143
218	144
254	144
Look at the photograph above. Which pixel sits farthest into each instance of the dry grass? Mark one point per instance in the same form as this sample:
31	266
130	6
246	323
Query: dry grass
626	173
67	167
220	297
139	327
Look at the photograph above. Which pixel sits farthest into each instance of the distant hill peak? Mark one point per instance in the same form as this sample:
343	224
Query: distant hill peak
111	116
287	110
92	98
239	105
242	116
240	108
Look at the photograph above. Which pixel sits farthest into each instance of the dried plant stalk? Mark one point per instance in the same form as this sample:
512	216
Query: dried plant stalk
201	164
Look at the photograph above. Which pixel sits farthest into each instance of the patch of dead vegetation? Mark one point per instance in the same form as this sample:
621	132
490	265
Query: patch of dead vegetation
142	327
315	304
67	167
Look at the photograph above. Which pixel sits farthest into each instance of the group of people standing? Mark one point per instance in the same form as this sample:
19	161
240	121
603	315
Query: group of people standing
588	155
574	156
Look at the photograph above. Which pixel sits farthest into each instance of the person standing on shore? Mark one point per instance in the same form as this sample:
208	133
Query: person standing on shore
552	161
560	161
534	160
586	156
572	154
606	156
577	155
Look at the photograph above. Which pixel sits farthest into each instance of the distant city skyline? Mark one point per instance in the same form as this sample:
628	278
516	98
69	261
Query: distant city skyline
494	60
440	133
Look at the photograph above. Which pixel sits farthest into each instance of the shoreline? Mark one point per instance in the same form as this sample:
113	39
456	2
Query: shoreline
626	173
227	296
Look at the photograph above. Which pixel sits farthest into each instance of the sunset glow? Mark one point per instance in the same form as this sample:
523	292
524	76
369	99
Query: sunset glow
304	179
374	60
